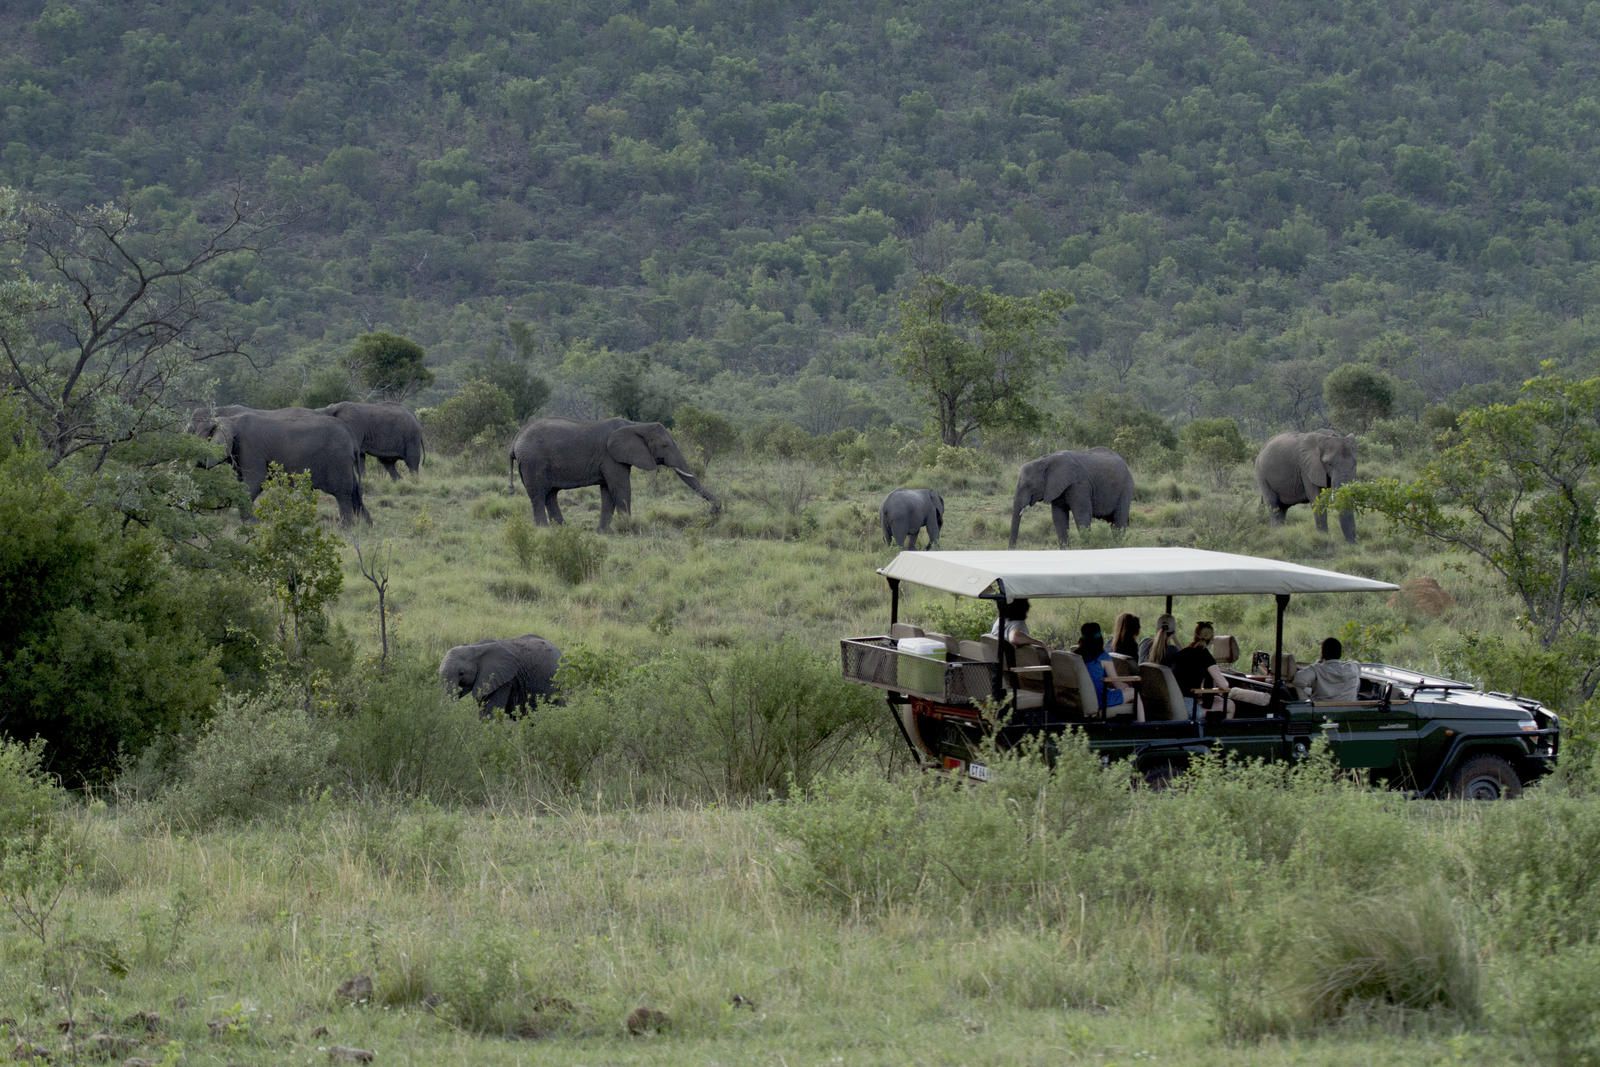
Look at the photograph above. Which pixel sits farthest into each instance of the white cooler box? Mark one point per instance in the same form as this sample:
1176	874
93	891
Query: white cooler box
920	666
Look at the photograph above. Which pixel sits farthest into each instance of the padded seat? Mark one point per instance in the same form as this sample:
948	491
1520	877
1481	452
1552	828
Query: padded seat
1163	700
1074	688
1225	650
898	630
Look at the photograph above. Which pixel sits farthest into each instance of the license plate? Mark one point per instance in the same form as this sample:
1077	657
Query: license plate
977	772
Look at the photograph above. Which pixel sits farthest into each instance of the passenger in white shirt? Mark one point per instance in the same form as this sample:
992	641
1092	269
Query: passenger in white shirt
1330	680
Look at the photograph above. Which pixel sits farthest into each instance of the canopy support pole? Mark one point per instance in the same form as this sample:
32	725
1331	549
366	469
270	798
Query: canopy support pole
1169	603
1277	646
894	601
1007	658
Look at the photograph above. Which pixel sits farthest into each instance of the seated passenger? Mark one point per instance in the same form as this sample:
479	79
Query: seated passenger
1014	614
1330	679
1125	636
1091	648
1197	669
1162	647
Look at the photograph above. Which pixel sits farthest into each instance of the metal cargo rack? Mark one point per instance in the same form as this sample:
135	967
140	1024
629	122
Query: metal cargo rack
875	661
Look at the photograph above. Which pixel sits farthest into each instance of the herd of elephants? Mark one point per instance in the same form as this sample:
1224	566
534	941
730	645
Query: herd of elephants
332	443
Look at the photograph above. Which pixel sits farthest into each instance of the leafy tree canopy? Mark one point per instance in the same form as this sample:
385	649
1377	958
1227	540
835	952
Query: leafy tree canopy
1516	489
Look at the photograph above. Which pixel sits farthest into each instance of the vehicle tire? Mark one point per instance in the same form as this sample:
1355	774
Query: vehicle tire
1485	778
1158	776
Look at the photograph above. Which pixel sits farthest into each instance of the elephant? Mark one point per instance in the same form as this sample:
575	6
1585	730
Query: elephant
1095	484
387	432
202	420
554	454
508	675
316	443
1293	468
906	511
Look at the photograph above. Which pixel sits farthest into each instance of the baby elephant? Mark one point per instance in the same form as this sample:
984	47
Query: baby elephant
906	511
508	675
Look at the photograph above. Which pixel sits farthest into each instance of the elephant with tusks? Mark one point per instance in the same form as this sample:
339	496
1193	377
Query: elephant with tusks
906	512
507	675
555	454
1293	468
1080	486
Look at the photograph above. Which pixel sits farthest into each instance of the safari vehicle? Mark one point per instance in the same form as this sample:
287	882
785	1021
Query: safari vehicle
1432	736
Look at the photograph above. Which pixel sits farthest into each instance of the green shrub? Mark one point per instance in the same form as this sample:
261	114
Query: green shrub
258	755
962	618
407	738
100	653
1555	1006
1406	947
28	797
479	407
571	554
523	539
1532	868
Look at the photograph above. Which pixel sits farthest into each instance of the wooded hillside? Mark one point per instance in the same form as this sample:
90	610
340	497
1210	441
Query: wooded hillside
1240	197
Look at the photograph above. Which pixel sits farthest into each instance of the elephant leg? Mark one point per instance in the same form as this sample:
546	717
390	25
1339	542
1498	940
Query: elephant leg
1276	512
553	508
1347	526
1062	519
607	506
933	531
1321	516
391	465
536	501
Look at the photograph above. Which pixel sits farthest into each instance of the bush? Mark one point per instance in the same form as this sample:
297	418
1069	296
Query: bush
100	655
1555	1006
407	738
739	725
1405	948
258	755
571	554
480	407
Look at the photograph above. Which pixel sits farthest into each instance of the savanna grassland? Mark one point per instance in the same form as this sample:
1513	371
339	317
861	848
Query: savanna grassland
664	855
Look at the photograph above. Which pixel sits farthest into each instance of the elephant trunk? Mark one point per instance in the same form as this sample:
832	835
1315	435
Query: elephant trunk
694	483
1016	517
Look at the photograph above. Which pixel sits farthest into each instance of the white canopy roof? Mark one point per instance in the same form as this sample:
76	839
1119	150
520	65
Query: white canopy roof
1116	572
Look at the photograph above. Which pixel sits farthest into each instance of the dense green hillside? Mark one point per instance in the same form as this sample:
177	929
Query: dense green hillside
1241	197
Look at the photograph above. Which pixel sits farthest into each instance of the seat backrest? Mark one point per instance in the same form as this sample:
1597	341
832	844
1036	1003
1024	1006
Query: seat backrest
904	629
1032	656
992	645
1124	666
1224	649
1286	668
1163	700
1074	688
951	645
980	651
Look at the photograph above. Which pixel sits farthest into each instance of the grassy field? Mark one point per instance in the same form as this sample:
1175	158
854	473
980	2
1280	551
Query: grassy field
874	917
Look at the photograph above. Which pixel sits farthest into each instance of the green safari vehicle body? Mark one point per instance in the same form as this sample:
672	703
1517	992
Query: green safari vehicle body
1431	736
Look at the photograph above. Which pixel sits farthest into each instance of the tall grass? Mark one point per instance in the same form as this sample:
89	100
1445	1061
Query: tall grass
714	826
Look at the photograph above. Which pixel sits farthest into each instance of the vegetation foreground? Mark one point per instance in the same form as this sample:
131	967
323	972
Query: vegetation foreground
714	851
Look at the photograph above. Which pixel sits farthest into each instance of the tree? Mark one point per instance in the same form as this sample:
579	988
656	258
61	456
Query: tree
388	364
102	321
100	651
1357	396
975	355
295	558
1516	489
1216	445
479	408
706	431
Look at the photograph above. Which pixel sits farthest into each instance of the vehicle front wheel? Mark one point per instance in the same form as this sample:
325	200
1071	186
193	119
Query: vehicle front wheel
1485	778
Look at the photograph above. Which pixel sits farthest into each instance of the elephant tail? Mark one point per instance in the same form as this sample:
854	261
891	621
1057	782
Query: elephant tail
357	504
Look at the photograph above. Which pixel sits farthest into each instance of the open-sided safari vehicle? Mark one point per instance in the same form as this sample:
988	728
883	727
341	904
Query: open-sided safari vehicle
1430	735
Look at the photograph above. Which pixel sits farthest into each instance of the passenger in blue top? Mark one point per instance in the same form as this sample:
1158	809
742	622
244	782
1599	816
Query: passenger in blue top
1092	648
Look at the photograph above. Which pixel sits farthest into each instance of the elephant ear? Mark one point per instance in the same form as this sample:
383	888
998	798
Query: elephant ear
1060	473
627	445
